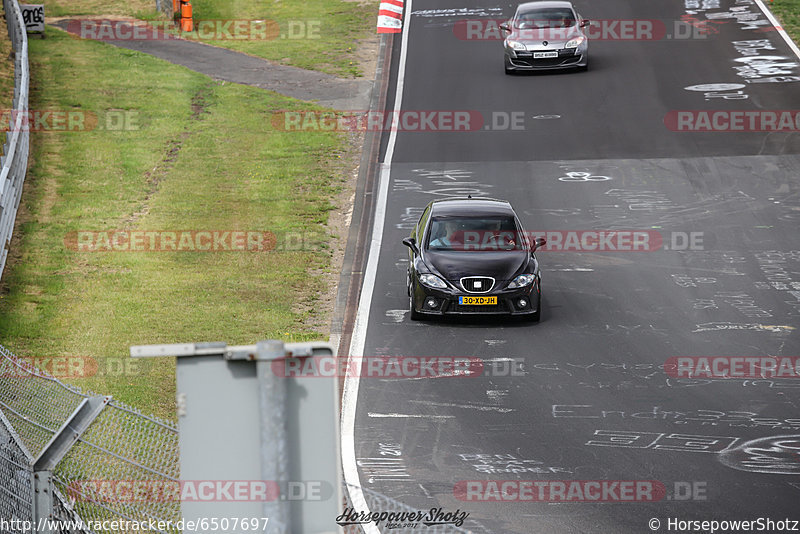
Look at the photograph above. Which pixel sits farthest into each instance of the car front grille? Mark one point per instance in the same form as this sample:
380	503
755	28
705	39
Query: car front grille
566	56
477	284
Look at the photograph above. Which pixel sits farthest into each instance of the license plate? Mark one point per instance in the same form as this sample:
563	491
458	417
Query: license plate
478	301
543	55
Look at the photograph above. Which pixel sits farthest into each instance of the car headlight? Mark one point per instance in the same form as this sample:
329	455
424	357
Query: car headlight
522	280
575	43
431	280
515	45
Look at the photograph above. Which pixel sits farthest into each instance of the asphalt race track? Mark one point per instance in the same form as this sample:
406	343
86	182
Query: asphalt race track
584	395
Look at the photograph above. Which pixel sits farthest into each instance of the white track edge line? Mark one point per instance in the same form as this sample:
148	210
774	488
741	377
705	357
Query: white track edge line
358	340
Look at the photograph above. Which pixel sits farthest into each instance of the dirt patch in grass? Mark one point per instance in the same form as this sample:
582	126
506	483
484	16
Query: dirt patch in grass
199	106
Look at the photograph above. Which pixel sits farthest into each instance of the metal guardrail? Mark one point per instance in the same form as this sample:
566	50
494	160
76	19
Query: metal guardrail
15	159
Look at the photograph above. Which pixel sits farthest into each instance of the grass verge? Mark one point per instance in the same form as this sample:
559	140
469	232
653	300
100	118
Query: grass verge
788	13
313	34
144	9
162	149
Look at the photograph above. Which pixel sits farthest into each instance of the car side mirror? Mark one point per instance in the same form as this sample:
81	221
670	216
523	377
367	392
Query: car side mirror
411	243
585	22
538	242
506	27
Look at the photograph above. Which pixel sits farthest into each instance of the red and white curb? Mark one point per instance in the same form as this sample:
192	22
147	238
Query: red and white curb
390	16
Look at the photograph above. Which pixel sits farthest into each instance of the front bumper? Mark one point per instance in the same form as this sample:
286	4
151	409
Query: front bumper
447	301
567	59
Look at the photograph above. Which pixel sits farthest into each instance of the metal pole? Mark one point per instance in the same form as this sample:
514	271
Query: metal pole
42	501
274	447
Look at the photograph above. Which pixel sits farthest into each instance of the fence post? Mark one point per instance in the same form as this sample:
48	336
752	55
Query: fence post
274	453
42	501
52	453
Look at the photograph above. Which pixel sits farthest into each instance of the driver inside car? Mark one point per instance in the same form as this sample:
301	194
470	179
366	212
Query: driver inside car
450	237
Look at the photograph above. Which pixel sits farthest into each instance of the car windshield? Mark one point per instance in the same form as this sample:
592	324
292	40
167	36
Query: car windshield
481	234
552	17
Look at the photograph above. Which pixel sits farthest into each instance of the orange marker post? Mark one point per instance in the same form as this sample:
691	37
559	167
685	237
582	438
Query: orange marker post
186	17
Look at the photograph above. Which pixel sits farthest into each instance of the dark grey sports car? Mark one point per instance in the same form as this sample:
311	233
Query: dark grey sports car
545	35
472	256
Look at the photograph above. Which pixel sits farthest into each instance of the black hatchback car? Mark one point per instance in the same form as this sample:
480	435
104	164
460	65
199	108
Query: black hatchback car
472	256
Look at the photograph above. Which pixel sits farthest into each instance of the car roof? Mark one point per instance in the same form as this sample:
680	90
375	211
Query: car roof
543	4
470	206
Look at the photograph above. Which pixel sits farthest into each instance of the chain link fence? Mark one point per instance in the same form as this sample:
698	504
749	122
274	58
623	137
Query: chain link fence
121	449
93	481
165	7
14	162
16	492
